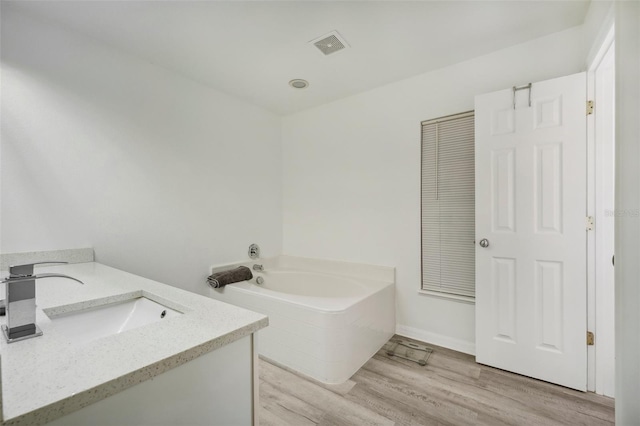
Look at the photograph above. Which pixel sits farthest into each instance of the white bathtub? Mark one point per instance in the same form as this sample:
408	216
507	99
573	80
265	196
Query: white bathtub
325	320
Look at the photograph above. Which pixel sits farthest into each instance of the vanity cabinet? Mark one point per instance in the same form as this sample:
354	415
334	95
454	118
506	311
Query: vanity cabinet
216	388
196	364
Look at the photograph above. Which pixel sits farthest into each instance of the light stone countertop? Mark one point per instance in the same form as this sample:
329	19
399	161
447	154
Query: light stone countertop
46	377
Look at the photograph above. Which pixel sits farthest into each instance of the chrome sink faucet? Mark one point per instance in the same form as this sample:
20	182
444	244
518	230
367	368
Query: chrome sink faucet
21	301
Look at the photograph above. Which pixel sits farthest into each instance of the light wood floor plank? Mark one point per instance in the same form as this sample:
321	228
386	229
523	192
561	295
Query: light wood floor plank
472	397
289	408
545	408
450	390
391	408
552	401
335	406
431	402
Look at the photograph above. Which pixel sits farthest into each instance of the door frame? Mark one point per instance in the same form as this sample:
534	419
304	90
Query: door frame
599	358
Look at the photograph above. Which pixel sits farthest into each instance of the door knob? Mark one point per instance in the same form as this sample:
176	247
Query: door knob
484	243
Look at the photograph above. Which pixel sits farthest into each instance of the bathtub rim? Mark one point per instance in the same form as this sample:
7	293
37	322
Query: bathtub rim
307	301
307	264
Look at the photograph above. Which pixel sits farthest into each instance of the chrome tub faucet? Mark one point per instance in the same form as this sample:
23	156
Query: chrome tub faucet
258	268
21	301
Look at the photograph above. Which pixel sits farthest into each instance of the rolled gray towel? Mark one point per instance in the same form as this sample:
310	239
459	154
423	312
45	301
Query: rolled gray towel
220	279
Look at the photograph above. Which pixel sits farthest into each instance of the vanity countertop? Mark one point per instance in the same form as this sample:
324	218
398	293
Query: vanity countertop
46	377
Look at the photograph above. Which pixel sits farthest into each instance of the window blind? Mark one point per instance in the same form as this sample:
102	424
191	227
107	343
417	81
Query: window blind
448	205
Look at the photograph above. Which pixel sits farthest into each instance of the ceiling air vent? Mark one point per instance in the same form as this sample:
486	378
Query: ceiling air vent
330	43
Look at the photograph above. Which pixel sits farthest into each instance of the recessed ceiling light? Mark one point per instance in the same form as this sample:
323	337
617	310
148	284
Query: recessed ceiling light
299	83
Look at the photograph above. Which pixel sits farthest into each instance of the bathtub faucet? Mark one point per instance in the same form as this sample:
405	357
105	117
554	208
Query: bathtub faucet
258	268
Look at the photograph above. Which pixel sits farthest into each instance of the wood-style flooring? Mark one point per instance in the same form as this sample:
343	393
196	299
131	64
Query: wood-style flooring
450	390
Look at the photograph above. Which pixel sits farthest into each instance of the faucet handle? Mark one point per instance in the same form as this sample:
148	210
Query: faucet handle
26	270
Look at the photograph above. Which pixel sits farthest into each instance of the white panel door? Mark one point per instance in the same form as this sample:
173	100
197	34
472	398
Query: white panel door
530	206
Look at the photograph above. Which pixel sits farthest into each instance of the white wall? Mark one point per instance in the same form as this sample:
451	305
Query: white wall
352	172
627	245
163	176
597	23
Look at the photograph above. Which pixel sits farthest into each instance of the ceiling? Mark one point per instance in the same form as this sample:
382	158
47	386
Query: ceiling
252	49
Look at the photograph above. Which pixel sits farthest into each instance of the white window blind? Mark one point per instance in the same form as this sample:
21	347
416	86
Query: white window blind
448	200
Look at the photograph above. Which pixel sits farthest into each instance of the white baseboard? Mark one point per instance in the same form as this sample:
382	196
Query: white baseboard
437	339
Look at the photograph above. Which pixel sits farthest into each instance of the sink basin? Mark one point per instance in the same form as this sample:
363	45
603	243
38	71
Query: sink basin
95	323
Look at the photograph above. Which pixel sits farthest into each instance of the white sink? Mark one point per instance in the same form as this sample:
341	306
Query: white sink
94	323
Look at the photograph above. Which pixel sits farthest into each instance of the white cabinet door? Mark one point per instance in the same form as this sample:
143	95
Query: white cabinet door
214	389
530	206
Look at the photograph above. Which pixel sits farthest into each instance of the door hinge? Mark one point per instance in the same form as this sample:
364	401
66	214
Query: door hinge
589	107
590	338
590	223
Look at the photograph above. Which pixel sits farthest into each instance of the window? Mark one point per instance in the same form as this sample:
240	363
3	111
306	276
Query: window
448	206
